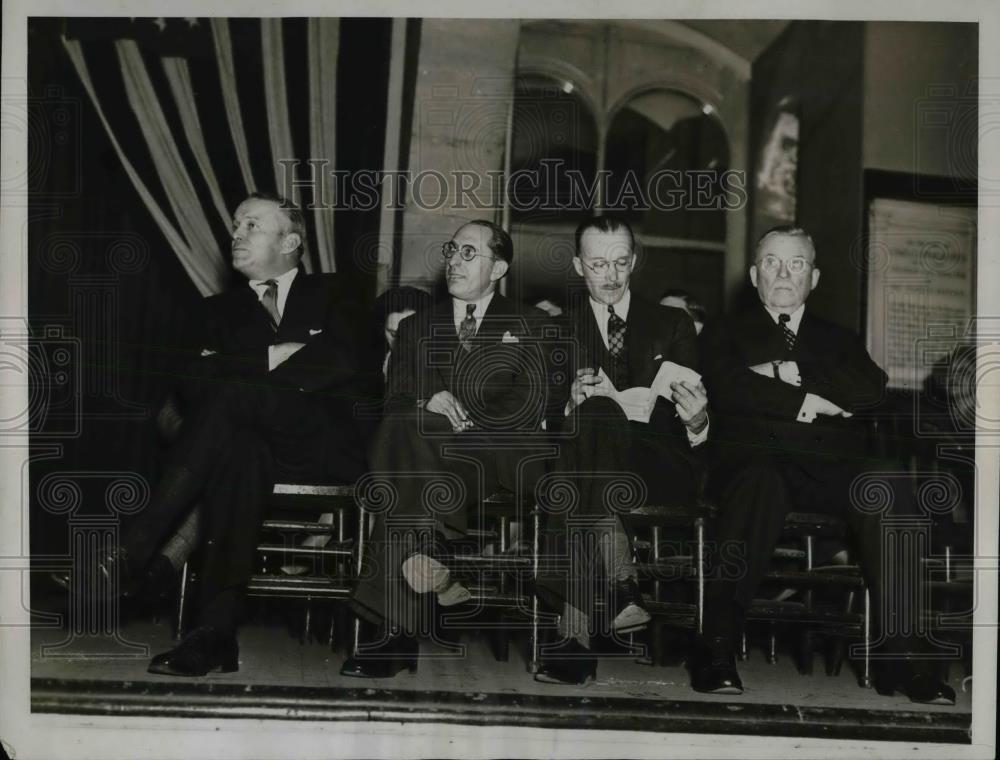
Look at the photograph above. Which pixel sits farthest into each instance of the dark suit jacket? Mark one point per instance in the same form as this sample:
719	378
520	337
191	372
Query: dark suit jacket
502	382
754	414
653	334
234	325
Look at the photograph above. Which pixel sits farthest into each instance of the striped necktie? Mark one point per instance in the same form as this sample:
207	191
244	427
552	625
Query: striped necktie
269	300
786	331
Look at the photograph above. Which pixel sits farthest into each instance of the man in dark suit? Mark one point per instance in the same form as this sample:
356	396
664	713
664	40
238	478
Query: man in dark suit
785	386
623	340
467	392
270	396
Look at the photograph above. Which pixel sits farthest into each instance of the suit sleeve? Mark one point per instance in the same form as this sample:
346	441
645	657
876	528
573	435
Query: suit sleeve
735	389
849	378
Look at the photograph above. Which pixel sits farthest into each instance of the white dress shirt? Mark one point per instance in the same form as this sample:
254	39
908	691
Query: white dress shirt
460	312
284	284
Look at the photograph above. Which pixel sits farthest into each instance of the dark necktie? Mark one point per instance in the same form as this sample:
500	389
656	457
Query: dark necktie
616	333
786	331
270	302
467	330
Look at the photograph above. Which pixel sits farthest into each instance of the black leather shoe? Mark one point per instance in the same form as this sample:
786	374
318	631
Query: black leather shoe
571	663
202	651
713	668
397	653
630	614
920	687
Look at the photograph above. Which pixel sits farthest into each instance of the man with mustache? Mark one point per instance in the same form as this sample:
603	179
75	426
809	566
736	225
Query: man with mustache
622	340
270	397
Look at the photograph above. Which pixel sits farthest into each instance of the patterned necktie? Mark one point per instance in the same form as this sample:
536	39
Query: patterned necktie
786	331
270	302
467	330
616	333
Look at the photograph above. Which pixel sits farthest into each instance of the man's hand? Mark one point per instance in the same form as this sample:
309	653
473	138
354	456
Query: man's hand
814	405
788	372
443	402
279	353
584	386
691	401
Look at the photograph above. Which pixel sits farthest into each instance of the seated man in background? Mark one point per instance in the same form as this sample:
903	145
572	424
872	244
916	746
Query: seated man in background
785	386
681	299
621	340
271	397
466	383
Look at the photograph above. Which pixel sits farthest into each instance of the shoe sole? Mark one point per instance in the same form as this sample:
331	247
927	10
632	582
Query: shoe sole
542	678
633	618
424	574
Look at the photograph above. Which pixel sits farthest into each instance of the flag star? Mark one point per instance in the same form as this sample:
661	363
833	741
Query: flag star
192	22
160	22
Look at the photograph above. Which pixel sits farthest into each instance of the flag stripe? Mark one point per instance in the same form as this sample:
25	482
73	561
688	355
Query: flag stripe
230	98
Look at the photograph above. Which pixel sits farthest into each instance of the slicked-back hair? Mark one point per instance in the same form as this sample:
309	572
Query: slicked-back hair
604	223
784	230
499	242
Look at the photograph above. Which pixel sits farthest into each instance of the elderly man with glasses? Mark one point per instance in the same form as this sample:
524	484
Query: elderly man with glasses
788	387
467	385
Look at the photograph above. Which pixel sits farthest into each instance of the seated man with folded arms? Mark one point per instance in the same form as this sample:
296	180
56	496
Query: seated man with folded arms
621	340
467	385
785	387
270	397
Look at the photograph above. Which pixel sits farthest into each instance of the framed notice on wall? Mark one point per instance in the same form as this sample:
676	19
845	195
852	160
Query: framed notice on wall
921	262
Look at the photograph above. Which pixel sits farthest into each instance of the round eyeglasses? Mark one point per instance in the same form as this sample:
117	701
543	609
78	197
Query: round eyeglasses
601	265
465	252
770	263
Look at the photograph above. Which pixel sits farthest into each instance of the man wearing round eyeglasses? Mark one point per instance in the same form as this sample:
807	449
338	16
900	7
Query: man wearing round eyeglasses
788	387
467	387
621	340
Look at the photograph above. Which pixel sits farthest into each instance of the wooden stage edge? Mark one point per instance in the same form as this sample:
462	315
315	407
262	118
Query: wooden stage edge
193	700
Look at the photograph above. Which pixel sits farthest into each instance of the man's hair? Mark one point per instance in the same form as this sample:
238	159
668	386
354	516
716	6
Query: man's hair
697	311
403	298
785	230
499	242
604	223
296	222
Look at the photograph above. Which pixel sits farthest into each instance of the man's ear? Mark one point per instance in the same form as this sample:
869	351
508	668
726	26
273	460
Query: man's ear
578	265
753	275
815	278
291	242
500	268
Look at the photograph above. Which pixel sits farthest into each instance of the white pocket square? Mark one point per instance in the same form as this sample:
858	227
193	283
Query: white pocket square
508	338
208	352
657	357
315	332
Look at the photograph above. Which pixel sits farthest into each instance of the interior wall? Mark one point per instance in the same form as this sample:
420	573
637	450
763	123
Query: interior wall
920	112
463	90
820	65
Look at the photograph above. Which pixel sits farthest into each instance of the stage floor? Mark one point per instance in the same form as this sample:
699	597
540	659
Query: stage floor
281	678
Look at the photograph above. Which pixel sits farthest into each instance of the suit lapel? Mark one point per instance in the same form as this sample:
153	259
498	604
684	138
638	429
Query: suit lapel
638	329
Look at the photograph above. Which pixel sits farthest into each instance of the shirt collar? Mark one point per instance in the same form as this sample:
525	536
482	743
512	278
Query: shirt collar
621	308
459	311
795	318
284	281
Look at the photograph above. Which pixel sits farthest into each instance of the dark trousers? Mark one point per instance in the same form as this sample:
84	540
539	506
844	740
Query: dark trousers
874	498
231	451
424	480
608	465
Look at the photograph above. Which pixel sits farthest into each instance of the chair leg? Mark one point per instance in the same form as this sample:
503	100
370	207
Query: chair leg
743	653
772	646
836	650
499	640
307	622
805	653
181	603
